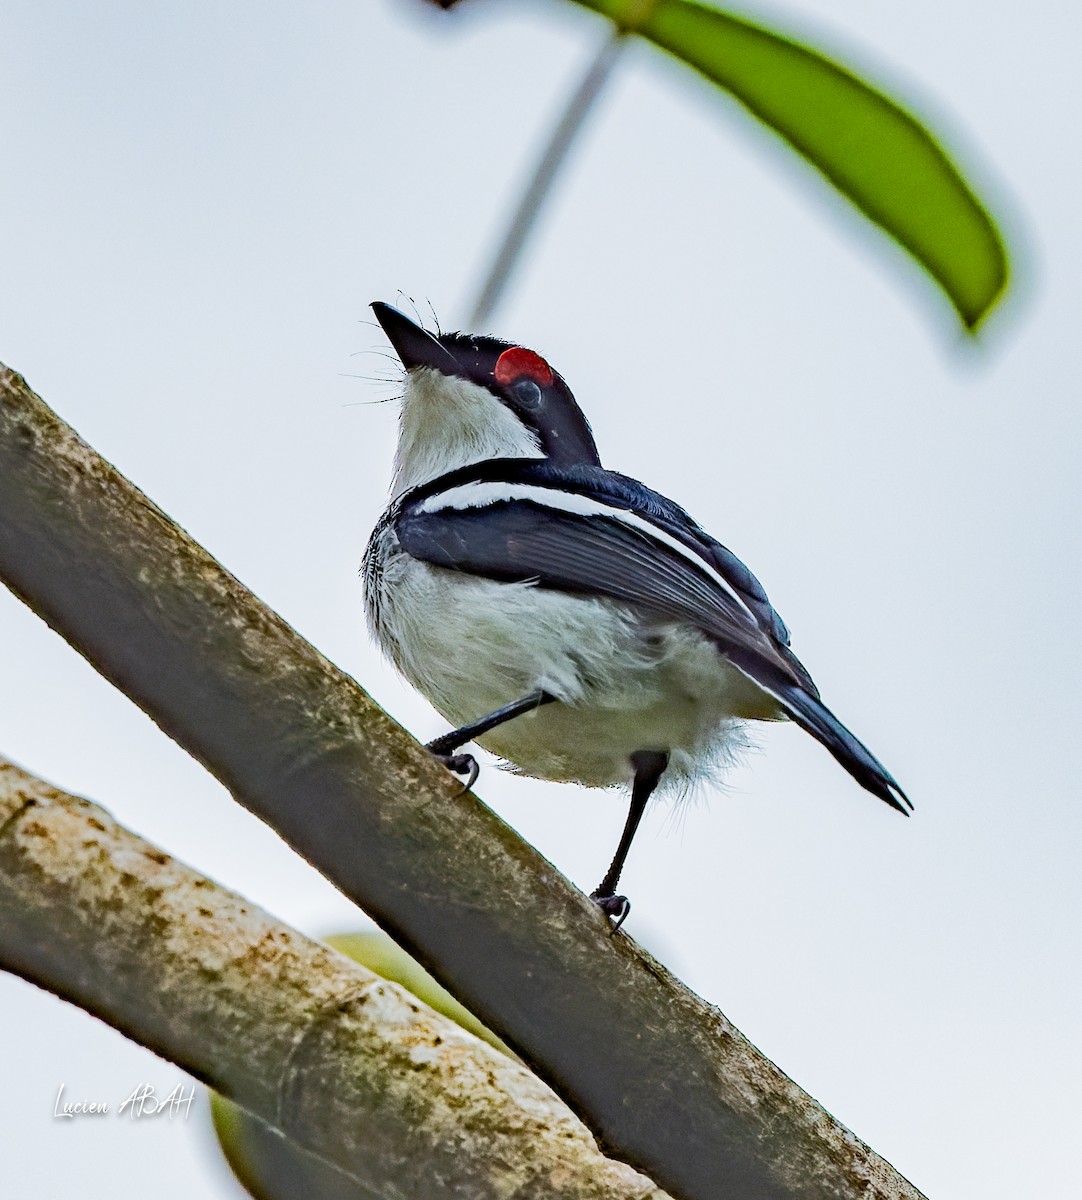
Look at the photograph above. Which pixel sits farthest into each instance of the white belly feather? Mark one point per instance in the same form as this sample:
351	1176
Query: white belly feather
472	645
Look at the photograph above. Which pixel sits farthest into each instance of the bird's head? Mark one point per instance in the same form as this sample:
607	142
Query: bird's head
470	398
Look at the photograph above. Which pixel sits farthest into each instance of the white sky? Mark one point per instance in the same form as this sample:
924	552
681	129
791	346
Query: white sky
199	202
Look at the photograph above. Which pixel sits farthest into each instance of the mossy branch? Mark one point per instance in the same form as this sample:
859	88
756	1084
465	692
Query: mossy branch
663	1080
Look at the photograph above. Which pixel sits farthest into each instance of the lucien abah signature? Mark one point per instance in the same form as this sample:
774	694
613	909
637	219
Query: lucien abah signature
144	1101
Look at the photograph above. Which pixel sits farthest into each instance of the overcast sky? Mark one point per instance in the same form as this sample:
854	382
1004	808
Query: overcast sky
199	202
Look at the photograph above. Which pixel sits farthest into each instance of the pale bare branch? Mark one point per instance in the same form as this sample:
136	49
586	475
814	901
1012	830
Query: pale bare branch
352	1068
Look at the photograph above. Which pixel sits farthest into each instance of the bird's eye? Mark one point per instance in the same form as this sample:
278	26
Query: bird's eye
527	393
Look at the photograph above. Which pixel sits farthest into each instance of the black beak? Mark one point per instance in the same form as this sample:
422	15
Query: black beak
414	346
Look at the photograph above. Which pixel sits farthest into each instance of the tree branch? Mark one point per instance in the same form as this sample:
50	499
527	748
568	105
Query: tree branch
663	1079
350	1067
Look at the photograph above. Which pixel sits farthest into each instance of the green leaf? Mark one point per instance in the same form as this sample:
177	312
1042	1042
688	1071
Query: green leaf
873	151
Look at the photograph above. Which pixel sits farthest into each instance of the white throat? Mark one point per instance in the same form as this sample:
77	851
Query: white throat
447	423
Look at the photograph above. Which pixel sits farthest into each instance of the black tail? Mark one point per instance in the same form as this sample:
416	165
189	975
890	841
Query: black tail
809	712
858	760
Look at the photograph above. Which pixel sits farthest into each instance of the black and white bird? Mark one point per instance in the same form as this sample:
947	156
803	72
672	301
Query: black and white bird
570	620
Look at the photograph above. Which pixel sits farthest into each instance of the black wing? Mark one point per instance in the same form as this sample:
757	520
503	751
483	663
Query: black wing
590	483
585	543
590	532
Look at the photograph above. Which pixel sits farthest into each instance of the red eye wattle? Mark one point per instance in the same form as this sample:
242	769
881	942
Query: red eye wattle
520	363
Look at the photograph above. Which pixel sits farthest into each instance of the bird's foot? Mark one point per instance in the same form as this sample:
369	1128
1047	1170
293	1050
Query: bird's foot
461	764
615	908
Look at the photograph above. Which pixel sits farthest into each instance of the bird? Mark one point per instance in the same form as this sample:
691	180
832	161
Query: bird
569	619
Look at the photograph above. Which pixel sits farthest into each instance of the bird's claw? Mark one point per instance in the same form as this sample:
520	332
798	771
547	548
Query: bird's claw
461	764
615	908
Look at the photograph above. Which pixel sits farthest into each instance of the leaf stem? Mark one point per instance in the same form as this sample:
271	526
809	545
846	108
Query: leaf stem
563	135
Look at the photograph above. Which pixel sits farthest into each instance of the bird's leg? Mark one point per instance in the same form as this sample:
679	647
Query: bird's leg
444	747
649	767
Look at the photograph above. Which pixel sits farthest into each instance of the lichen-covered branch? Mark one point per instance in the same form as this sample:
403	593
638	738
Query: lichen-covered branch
349	1066
663	1079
